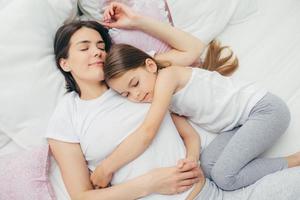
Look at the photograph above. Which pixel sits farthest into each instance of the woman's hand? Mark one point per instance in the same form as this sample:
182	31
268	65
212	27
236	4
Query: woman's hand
118	15
173	180
101	177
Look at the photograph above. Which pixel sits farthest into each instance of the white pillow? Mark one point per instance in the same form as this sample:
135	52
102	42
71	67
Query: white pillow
206	19
30	82
245	9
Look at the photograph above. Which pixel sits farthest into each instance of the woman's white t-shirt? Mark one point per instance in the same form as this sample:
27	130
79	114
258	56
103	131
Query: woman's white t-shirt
101	124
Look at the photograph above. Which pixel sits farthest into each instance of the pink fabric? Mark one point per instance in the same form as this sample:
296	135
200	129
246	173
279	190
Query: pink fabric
24	175
153	8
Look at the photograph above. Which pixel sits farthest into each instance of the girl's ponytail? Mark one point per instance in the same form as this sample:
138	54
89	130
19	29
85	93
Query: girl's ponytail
215	60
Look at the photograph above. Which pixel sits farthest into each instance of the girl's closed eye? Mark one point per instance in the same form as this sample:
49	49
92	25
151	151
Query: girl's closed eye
136	84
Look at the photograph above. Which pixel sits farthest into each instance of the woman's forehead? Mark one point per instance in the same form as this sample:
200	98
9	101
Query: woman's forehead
86	34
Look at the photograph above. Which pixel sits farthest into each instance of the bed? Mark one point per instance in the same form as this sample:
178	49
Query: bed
265	35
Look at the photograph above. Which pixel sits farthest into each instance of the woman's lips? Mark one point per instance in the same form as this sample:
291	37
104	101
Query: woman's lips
96	63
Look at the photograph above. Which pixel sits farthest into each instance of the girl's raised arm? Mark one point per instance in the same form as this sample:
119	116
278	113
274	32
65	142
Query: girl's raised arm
186	48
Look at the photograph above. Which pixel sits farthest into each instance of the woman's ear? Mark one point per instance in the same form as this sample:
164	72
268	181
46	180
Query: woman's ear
64	65
150	65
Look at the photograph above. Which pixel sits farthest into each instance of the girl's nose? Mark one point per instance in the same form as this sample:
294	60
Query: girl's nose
137	96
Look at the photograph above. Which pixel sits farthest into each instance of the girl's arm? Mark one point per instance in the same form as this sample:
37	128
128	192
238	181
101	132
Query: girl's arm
75	175
186	48
137	142
190	137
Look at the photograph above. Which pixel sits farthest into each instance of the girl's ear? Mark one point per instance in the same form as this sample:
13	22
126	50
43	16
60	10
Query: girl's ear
150	65
64	65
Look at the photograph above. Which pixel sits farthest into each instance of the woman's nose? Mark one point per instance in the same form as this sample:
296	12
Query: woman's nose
98	52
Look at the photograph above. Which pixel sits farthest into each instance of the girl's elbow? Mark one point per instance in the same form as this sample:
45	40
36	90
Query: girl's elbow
192	58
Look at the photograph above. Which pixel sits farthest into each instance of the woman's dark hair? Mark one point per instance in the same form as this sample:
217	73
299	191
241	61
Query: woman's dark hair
62	44
122	58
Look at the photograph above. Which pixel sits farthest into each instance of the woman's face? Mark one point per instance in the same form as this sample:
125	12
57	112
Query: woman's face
86	56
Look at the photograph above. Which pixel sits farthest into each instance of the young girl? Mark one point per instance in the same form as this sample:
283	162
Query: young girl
215	102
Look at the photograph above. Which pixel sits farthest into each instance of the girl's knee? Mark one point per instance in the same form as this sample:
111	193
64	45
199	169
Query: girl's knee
223	179
284	113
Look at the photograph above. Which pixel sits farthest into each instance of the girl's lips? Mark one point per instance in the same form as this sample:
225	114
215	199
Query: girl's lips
146	98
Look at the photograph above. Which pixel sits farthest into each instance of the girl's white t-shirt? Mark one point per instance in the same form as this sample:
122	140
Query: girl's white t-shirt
214	102
101	124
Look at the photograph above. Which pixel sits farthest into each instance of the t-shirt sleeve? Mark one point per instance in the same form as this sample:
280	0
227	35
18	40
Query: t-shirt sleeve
61	126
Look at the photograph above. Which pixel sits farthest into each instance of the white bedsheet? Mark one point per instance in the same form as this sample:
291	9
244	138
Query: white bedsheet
267	44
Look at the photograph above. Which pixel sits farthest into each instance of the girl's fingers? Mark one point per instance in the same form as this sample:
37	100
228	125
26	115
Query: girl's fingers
188	166
180	163
105	15
108	25
111	10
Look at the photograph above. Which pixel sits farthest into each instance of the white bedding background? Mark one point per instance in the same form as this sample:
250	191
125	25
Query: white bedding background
267	43
265	35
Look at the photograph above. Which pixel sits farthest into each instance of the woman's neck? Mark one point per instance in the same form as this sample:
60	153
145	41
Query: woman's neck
92	91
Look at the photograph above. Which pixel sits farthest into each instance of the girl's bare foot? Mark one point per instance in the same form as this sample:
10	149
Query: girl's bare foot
293	160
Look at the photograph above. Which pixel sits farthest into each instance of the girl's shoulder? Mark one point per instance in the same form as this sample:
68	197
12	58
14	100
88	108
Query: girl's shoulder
178	75
174	70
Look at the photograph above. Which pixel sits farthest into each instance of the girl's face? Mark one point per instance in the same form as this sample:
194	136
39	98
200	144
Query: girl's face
137	84
86	56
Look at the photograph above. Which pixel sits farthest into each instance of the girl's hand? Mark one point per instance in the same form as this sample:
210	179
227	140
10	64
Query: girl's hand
187	160
173	180
118	15
101	177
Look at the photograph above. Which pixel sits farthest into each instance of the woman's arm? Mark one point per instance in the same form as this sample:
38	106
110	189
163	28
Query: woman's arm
75	175
190	137
186	48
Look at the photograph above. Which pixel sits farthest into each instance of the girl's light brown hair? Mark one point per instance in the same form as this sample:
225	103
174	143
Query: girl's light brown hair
216	61
123	57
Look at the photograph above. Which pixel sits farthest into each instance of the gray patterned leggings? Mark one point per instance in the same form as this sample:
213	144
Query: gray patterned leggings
231	159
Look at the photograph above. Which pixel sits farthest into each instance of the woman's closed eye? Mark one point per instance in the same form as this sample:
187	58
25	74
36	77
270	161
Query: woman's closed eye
84	47
101	46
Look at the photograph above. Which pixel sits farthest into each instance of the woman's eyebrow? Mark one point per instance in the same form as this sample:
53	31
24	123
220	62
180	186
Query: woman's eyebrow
83	42
87	42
